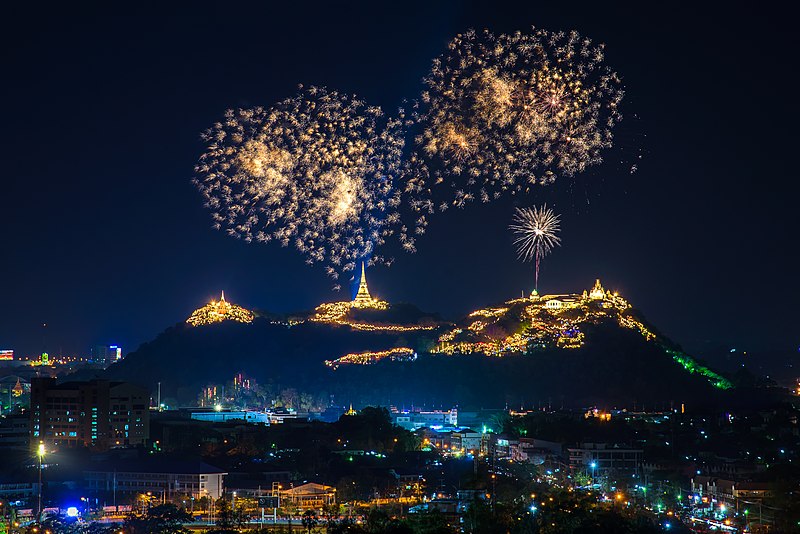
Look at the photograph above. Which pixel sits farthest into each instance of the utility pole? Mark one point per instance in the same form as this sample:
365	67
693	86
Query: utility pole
260	525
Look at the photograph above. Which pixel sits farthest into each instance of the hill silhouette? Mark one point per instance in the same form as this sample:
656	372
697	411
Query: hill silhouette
566	350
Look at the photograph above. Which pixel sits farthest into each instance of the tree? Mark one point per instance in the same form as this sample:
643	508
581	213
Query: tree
429	522
162	519
229	520
309	520
345	526
331	512
479	517
55	523
97	528
289	398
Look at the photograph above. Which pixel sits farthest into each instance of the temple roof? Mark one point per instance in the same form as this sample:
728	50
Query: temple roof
597	291
221	310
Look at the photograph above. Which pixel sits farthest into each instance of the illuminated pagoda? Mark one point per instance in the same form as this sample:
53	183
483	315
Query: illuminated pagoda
219	310
17	390
597	292
363	298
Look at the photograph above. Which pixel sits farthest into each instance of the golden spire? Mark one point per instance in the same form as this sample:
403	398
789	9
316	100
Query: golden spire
362	297
17	390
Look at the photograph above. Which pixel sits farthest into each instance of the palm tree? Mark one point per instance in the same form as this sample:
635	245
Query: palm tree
309	520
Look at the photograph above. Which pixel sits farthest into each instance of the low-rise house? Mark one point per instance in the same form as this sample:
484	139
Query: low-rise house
308	496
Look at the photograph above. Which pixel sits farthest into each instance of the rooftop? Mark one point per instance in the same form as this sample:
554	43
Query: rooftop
155	465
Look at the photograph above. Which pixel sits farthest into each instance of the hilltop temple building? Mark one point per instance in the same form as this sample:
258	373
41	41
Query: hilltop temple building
220	310
363	299
596	293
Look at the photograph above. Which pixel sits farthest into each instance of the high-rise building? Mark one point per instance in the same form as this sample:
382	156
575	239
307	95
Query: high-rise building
98	413
106	354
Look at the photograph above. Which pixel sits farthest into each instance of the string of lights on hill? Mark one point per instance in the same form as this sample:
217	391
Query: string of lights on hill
370	357
219	310
518	326
553	320
529	322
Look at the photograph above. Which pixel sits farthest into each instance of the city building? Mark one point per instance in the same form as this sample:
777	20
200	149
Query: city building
532	450
281	415
439	439
15	431
14	392
504	446
18	490
222	416
98	414
309	496
106	354
160	476
601	459
715	489
466	441
432	419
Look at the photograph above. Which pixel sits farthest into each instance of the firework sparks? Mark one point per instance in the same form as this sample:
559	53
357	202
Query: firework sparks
322	171
505	113
316	171
536	230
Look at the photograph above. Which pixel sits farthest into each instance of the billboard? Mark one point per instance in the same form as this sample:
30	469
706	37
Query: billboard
268	502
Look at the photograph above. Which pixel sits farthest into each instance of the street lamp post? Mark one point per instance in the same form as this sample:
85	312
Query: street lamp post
40	454
593	465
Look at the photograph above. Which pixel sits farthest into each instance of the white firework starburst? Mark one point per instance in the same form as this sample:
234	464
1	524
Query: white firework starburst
536	230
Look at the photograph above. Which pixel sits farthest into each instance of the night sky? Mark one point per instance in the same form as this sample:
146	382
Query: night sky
105	239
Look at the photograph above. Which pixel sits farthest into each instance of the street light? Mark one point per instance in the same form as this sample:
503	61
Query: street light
40	454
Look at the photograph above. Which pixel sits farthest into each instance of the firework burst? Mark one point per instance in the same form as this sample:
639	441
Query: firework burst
316	171
505	113
536	232
324	172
